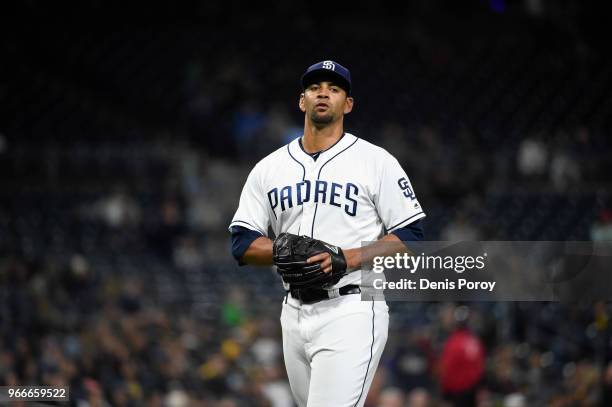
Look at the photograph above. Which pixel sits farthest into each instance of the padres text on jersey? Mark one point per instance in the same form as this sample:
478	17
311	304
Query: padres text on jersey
357	187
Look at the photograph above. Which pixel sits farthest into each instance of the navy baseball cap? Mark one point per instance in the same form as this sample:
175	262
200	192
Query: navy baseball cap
330	70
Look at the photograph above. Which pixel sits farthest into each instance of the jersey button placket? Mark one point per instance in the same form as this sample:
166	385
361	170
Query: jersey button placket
309	204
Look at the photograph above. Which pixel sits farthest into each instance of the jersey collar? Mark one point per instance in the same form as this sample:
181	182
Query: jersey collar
298	151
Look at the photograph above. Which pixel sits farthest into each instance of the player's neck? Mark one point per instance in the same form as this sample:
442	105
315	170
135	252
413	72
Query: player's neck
320	139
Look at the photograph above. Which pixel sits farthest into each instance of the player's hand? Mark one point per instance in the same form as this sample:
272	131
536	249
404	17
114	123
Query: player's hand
353	260
324	259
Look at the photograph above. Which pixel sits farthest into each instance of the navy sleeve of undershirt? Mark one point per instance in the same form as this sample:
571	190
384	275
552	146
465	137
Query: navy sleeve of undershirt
412	232
241	240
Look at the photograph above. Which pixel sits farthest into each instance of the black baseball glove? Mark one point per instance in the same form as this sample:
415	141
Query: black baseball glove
290	253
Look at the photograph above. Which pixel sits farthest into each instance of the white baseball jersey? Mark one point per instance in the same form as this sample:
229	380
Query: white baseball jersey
354	192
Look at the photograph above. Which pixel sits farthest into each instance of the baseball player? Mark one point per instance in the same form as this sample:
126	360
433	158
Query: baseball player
322	195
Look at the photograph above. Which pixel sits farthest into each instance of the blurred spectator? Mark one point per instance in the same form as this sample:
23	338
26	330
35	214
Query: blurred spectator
233	311
419	398
460	230
275	387
394	138
411	364
532	158
583	384
177	398
391	397
601	229
188	253
279	127
168	228
119	209
564	170
248	123
462	363
505	373
515	400
606	394
95	395
266	348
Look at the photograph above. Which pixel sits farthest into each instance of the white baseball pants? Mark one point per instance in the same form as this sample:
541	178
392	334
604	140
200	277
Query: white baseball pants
332	349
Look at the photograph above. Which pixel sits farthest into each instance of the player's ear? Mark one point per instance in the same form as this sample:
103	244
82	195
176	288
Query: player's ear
348	105
301	103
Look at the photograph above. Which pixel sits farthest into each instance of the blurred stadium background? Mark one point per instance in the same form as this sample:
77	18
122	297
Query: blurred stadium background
126	133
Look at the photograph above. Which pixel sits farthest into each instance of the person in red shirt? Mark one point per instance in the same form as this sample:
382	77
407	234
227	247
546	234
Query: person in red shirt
462	365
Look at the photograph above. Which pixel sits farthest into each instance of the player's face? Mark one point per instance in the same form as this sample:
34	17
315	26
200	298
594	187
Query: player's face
325	102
